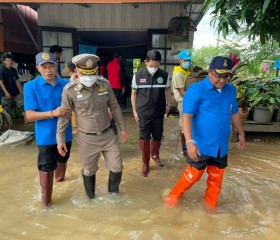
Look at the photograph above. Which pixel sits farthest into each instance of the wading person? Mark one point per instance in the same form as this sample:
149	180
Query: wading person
90	96
150	99
209	106
42	103
179	76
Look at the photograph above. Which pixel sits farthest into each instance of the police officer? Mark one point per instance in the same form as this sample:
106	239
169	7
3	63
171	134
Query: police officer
90	96
150	99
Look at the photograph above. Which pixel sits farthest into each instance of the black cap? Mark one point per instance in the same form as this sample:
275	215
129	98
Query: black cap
153	55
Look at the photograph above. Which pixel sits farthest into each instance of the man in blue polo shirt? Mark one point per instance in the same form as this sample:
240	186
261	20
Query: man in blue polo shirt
209	107
42	103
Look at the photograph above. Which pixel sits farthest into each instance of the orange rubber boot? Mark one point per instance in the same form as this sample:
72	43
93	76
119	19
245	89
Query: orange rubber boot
214	183
189	177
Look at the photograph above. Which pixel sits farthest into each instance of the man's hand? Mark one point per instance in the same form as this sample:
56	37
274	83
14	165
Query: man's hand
61	112
62	149
136	116
193	151
241	143
8	95
123	136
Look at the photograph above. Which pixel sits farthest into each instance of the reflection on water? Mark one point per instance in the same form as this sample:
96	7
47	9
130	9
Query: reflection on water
248	206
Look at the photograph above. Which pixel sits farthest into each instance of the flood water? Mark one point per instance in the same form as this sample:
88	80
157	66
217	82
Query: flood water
248	206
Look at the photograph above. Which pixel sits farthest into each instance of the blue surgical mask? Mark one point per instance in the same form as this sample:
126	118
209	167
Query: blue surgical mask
186	65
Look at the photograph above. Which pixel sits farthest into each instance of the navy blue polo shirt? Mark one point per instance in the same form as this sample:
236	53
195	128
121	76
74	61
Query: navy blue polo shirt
41	96
9	78
211	112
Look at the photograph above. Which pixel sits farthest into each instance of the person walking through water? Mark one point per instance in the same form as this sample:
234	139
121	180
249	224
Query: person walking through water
90	96
179	76
150	99
209	106
42	103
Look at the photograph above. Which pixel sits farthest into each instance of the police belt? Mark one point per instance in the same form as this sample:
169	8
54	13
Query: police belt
99	133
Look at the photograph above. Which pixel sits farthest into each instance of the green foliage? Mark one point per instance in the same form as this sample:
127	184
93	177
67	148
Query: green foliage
202	57
261	18
264	94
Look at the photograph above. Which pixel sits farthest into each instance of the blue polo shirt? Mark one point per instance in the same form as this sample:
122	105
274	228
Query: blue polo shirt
211	112
41	96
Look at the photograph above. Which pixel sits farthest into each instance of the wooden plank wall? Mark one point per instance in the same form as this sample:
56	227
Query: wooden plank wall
16	37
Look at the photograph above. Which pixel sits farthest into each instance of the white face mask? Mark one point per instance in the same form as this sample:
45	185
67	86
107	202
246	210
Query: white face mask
88	81
151	70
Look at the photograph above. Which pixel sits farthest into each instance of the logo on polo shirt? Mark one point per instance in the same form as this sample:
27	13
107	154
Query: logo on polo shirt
160	80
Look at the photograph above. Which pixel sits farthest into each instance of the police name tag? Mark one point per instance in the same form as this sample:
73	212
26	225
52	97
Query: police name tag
143	80
102	93
79	96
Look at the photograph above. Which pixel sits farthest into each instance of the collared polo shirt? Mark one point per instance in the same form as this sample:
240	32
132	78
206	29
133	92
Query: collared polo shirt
211	112
41	96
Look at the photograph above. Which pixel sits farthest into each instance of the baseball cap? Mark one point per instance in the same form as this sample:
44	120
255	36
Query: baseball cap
221	64
44	57
185	54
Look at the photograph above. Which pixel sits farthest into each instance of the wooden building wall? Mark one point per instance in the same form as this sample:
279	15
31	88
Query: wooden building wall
109	16
16	37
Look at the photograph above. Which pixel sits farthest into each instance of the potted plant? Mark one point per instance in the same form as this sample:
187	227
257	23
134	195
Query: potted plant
264	97
242	88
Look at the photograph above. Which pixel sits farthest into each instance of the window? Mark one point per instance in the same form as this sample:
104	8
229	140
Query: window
64	40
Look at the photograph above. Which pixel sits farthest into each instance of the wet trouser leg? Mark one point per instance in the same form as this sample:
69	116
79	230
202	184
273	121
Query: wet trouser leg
214	183
189	177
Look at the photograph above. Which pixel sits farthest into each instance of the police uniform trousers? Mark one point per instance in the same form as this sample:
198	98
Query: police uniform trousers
90	147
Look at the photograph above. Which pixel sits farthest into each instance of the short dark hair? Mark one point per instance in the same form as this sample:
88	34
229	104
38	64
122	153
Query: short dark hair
56	48
153	55
8	55
117	55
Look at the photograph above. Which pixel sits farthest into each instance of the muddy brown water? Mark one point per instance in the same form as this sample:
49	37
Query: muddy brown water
248	206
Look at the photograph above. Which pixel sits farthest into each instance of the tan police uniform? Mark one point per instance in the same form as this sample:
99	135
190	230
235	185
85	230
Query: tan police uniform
95	134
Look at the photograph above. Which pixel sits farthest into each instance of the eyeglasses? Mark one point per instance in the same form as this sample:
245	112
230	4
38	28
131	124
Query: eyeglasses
225	76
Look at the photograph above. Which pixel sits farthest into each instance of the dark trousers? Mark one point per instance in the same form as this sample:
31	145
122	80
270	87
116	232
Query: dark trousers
150	127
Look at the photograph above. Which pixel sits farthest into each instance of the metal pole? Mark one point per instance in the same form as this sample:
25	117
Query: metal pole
25	25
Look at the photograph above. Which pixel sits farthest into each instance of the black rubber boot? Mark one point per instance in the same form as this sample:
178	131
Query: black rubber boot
114	182
89	183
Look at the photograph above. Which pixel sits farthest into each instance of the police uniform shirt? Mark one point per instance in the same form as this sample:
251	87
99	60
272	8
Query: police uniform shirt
91	107
9	77
150	98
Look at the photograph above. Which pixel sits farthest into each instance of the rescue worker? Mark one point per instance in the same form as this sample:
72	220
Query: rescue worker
90	96
150	99
179	76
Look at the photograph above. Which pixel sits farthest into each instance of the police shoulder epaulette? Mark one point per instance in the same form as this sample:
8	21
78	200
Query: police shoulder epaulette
101	78
70	84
